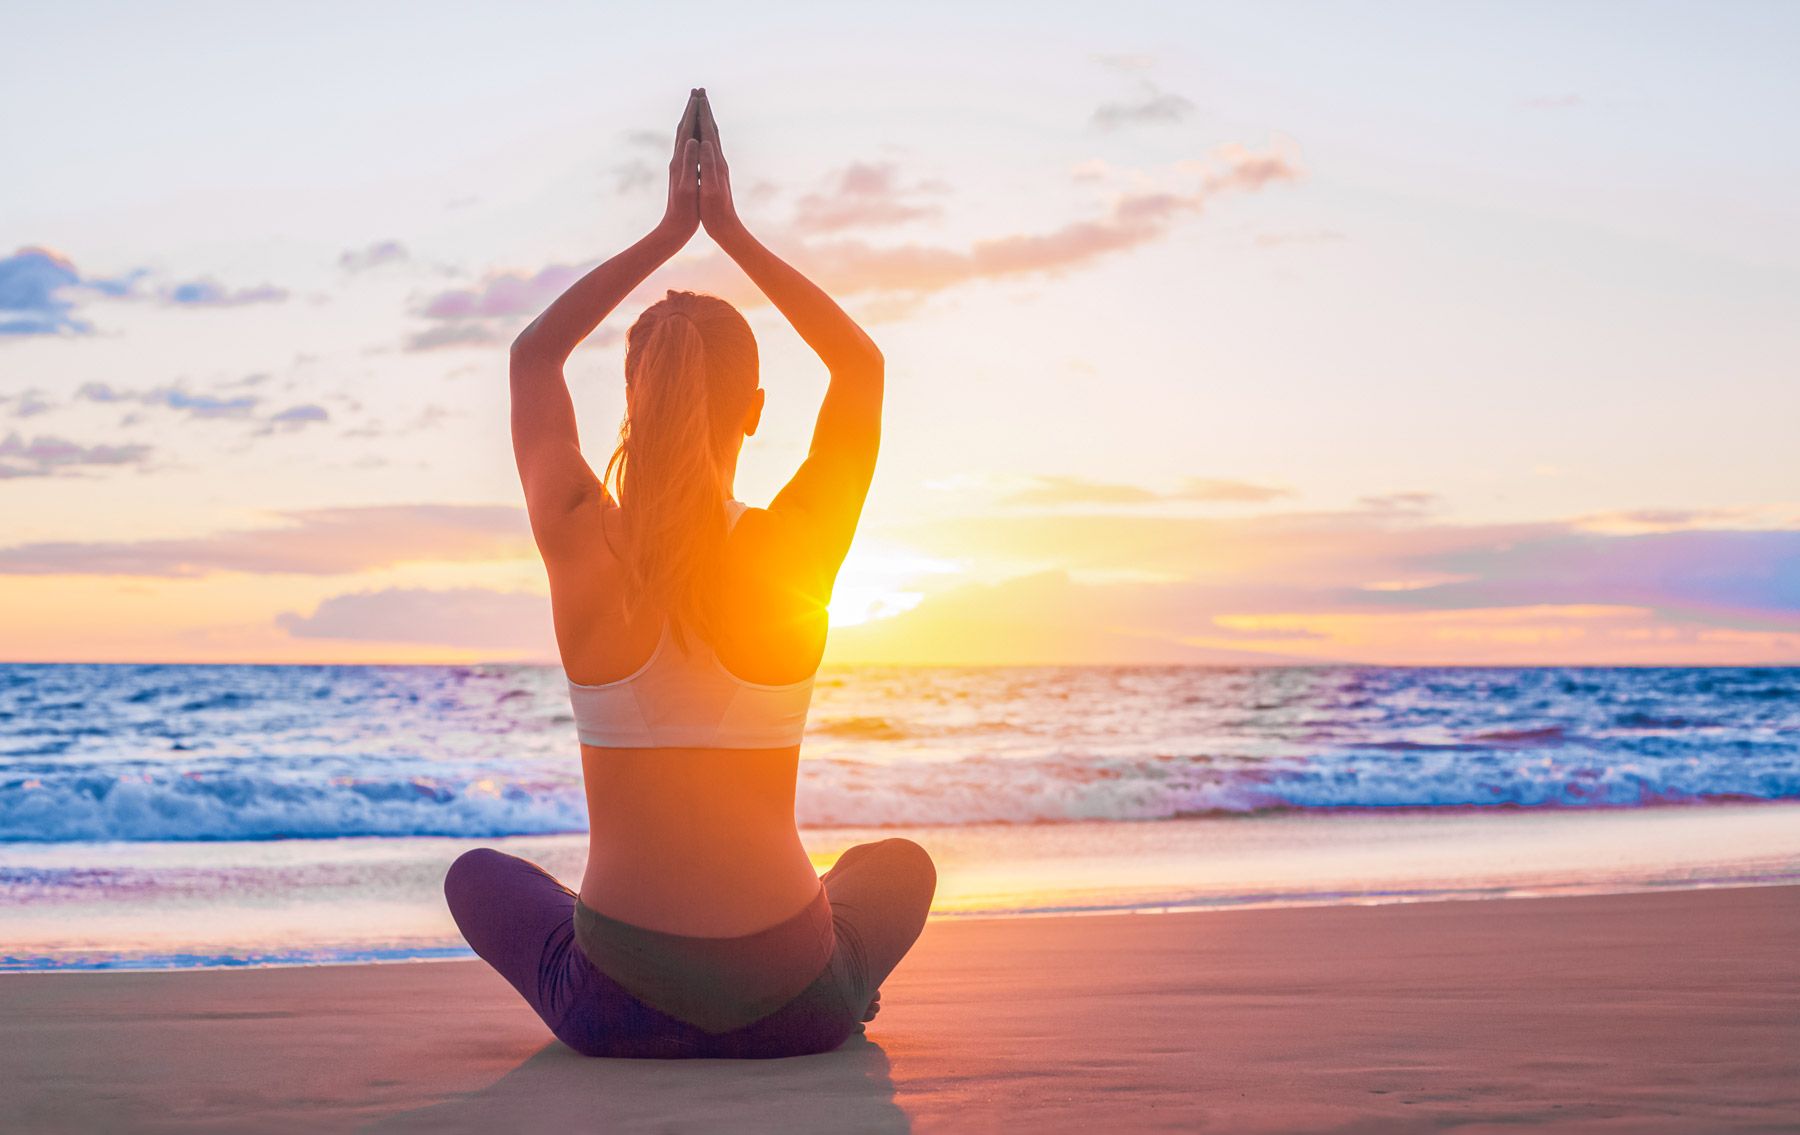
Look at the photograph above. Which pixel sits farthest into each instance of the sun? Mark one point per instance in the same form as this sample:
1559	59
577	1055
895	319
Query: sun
878	583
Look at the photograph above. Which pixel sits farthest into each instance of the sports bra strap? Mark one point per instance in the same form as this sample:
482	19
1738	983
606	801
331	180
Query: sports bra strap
688	699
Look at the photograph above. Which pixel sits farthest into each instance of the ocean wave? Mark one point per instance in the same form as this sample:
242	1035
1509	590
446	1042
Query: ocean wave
53	809
229	752
229	699
842	793
1637	720
1548	735
867	728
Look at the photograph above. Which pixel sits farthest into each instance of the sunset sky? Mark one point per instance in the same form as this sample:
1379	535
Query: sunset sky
1412	333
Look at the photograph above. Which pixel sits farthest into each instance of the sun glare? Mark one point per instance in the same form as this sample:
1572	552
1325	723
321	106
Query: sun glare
879	583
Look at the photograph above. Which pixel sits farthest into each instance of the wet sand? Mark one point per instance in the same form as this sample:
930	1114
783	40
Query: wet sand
1674	1011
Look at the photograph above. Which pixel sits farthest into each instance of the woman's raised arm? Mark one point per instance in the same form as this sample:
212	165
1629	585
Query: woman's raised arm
829	489
557	479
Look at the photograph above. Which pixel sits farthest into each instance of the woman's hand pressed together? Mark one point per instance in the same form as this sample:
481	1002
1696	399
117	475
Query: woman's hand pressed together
681	217
717	210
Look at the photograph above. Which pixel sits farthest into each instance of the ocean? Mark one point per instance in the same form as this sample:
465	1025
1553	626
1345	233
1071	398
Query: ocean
173	815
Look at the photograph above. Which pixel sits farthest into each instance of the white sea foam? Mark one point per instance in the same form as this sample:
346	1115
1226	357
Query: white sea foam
838	793
172	753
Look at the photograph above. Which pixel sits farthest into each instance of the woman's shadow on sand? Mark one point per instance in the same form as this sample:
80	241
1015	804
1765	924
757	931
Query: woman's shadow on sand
846	1090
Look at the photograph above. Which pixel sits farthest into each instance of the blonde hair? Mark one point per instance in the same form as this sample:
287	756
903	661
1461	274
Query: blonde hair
690	373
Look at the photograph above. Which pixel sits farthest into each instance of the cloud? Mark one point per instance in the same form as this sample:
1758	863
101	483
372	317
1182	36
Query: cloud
864	195
1634	521
174	398
330	541
1724	577
1091	171
1232	166
296	417
849	266
468	333
1155	106
204	406
1062	490
491	332
211	293
31	281
1134	219
45	456
35	293
1567	101
1311	552
1213	489
505	294
39	288
1384	559
633	175
26	403
1400	502
373	256
1053	490
470	617
758	192
1367	585
886	309
1257	633
1045	618
488	313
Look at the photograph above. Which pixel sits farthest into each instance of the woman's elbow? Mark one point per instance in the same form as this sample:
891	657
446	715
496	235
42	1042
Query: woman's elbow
868	365
526	346
872	355
533	346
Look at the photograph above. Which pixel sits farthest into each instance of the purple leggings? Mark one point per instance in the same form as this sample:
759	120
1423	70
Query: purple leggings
521	921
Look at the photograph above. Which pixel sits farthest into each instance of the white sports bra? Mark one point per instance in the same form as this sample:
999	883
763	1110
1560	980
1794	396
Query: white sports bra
688	699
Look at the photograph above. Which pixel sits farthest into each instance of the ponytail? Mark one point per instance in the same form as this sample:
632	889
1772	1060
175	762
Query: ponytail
686	392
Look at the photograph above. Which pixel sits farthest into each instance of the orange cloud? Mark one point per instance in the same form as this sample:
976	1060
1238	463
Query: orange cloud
1038	619
1052	490
1326	584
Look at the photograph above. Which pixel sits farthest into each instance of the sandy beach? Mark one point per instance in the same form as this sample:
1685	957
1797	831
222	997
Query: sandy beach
1675	1011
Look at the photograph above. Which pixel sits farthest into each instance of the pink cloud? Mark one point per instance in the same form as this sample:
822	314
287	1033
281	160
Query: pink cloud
469	617
46	456
1235	167
326	541
1348	562
851	267
863	195
504	293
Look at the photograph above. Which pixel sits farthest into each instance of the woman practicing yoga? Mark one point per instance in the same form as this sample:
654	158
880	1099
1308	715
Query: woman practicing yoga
690	627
